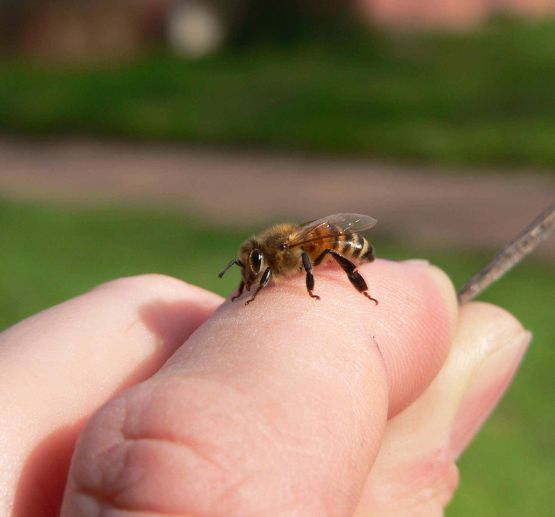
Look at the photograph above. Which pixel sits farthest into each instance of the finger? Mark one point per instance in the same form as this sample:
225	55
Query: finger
277	408
59	366
415	472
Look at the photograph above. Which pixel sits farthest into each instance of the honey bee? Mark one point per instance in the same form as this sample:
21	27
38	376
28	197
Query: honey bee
288	248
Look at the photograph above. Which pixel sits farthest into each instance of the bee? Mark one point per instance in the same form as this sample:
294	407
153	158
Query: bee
287	248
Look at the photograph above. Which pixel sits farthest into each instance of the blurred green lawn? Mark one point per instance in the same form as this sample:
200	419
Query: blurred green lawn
484	98
52	253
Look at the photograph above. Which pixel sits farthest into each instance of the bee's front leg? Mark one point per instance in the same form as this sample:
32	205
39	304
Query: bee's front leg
307	265
239	291
263	283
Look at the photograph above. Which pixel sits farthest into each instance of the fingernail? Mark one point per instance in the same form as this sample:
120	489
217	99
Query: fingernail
417	262
487	384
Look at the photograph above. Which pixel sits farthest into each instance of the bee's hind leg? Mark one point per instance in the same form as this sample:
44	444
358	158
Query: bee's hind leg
354	276
307	265
263	283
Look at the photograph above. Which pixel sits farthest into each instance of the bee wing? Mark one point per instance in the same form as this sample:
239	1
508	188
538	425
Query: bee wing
331	226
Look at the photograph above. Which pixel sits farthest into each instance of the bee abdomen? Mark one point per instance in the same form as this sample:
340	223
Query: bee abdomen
353	245
368	255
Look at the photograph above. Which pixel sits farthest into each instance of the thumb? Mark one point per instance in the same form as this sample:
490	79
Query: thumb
415	472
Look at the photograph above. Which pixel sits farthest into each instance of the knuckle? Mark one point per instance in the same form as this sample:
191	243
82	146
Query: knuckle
425	486
169	452
433	482
149	282
439	482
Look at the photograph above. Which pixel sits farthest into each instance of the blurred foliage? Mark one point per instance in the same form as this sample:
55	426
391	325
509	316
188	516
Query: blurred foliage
481	98
52	253
286	21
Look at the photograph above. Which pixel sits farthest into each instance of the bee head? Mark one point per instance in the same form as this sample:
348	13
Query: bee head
253	260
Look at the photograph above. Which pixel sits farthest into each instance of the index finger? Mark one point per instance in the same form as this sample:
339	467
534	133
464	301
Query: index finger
59	366
274	408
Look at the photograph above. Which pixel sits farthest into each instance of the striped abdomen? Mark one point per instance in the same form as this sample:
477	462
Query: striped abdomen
351	245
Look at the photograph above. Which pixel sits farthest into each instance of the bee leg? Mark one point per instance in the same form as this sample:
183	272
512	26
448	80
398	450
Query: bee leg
321	257
307	265
354	276
263	283
239	291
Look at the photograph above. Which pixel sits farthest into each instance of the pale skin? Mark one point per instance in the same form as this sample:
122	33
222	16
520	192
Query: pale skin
290	406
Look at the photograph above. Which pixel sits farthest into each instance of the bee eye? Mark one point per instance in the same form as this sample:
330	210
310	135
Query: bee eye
255	260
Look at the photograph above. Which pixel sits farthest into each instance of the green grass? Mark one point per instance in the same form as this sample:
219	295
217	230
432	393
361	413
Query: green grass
52	253
483	98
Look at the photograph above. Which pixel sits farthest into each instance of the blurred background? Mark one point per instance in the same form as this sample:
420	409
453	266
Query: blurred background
154	135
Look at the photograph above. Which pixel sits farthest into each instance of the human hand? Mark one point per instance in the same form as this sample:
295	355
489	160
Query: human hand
289	406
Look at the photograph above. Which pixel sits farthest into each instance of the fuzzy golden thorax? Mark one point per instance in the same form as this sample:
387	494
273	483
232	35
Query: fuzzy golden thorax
275	253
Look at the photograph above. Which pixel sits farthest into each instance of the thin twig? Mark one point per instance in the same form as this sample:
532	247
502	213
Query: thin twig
526	242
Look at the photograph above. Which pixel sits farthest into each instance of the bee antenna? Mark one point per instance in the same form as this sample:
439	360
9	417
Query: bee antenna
233	262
